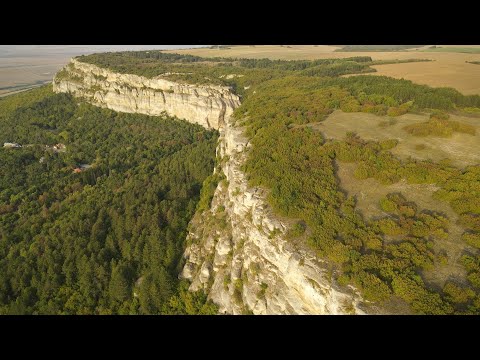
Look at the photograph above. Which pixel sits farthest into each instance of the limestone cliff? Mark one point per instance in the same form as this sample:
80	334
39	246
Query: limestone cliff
204	105
236	251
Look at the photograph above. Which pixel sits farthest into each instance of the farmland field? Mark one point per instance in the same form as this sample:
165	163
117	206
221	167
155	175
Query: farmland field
458	49
448	68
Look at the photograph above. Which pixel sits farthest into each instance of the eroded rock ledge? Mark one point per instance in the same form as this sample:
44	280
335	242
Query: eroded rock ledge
206	105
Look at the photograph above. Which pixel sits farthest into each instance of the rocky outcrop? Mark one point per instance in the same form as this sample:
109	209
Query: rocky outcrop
236	251
206	105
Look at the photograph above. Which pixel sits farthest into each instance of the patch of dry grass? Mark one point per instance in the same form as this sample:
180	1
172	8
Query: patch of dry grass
462	149
368	194
442	127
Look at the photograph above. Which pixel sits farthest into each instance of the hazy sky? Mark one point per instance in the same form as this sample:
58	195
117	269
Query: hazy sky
22	66
51	50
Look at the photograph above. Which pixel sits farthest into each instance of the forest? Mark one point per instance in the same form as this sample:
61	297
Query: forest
108	239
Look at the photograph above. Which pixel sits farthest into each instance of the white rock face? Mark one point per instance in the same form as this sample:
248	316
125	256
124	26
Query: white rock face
241	258
236	250
201	104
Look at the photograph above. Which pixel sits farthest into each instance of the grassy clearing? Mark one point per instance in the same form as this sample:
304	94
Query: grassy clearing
462	149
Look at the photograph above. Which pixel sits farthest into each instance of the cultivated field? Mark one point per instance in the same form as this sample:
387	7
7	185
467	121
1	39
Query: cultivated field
447	69
290	52
472	49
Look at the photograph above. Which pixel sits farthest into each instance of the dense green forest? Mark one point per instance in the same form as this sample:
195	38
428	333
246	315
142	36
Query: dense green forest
108	239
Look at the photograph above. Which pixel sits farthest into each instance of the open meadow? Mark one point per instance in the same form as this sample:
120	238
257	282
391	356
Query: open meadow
461	149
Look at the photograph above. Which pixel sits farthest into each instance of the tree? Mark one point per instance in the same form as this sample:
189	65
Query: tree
120	284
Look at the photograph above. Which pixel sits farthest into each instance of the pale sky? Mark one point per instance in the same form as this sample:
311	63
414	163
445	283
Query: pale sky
22	66
50	50
42	50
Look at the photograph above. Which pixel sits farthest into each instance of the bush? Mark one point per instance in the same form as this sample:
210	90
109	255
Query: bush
470	221
388	144
208	190
362	171
388	205
297	230
457	294
439	125
373	243
472	239
390	227
374	289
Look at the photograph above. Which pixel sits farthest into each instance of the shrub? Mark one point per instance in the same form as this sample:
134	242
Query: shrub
388	144
362	171
472	239
457	294
470	221
373	243
390	227
374	289
297	230
388	205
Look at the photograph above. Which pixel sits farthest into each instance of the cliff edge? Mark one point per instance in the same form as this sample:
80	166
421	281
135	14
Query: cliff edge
236	250
202	104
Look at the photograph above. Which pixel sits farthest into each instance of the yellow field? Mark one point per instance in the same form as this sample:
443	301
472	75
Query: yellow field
447	69
293	52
